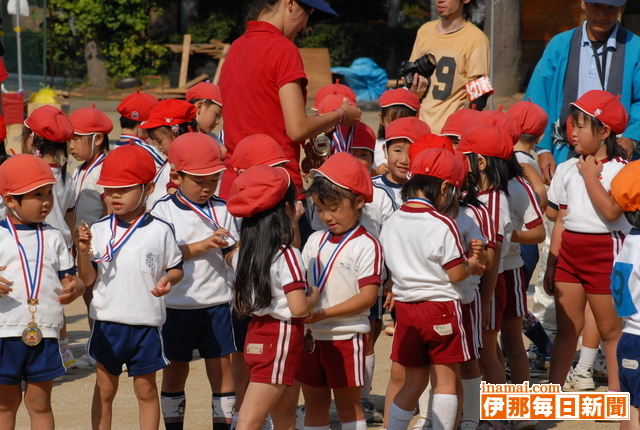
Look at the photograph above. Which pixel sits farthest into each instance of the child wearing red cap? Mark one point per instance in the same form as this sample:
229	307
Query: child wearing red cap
345	263
425	287
3	157
207	99
587	219
271	288
130	276
38	277
198	314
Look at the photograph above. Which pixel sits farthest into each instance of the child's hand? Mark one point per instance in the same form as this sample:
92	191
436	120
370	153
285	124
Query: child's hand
382	169
216	240
589	167
315	317
476	247
389	301
476	267
548	283
299	210
5	284
82	238
163	287
74	288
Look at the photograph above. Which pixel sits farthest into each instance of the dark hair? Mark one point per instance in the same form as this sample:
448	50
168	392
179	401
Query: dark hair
470	192
393	112
128	123
185	127
104	146
257	7
529	139
430	187
633	218
46	147
467	9
326	190
514	167
206	102
261	237
3	153
497	171
613	148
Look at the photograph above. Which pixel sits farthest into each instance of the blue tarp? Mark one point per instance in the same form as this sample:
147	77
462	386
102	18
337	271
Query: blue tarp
365	78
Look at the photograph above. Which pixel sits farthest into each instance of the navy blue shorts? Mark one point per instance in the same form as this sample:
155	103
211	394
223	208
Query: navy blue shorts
240	328
376	311
39	363
628	354
138	346
208	330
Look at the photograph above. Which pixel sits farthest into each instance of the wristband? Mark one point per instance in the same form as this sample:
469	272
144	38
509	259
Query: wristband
342	114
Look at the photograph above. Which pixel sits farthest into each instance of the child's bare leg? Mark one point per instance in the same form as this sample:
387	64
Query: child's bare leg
348	404
283	413
240	373
415	381
610	328
259	398
445	402
37	399
103	394
148	402
492	370
10	398
317	404
570	302
514	347
396	381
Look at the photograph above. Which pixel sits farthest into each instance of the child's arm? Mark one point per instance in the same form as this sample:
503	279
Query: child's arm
365	298
462	271
489	279
194	249
72	288
5	284
551	213
302	304
590	170
82	240
529	237
537	184
554	250
172	277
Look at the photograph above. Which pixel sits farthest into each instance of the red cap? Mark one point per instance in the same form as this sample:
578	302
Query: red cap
530	117
429	141
462	159
3	129
344	170
457	122
13	179
606	107
258	189
499	118
410	128
257	149
439	163
170	112
129	165
488	141
50	123
330	103
196	153
205	91
364	137
335	89
137	106
90	120
400	97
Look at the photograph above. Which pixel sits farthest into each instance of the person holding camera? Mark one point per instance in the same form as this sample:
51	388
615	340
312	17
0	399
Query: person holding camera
456	73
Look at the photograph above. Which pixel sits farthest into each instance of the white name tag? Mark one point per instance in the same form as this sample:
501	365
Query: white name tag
443	330
629	364
255	348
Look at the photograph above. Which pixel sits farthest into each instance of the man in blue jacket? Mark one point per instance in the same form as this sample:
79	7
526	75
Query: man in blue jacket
600	55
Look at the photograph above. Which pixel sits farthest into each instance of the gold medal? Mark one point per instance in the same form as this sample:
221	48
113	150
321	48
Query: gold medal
32	336
308	343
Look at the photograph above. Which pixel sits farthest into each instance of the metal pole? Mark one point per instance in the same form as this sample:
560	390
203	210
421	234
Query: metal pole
45	8
491	47
19	45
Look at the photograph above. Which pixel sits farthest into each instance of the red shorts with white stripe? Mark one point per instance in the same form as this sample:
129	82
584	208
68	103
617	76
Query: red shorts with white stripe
334	364
472	314
516	304
587	259
429	332
272	349
498	302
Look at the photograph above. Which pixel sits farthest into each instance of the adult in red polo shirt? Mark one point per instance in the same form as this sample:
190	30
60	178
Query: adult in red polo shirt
263	84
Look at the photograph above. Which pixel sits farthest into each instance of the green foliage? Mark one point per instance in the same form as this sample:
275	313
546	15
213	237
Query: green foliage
216	26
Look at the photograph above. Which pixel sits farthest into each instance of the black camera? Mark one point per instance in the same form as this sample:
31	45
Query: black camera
424	66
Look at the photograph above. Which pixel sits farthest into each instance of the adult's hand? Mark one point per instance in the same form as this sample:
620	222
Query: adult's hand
547	166
419	85
627	145
352	114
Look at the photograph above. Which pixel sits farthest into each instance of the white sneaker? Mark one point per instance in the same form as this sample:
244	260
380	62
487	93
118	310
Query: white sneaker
422	424
86	362
300	412
370	413
600	366
579	381
67	356
468	425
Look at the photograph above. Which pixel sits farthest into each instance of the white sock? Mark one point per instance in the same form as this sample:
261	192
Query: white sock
234	420
587	358
369	365
425	402
445	409
173	406
354	425
399	419
471	402
268	423
306	427
222	409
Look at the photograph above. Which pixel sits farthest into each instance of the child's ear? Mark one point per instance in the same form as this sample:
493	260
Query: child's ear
175	177
360	201
384	149
199	104
482	163
10	201
606	132
98	140
149	188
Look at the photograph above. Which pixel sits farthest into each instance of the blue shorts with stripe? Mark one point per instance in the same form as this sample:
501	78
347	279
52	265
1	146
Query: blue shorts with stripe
209	330
138	346
19	362
377	310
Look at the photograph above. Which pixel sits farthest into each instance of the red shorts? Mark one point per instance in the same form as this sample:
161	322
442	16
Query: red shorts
334	364
498	302
587	259
429	332
272	349
472	314
516	290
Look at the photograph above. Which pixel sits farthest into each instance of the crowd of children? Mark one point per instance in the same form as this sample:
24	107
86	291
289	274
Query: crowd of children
440	230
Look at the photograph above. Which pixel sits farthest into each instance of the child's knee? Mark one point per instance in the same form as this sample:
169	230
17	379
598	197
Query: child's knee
145	390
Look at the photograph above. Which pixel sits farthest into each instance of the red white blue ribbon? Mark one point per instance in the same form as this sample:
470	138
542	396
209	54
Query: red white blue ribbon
320	277
207	213
420	201
338	141
114	245
32	280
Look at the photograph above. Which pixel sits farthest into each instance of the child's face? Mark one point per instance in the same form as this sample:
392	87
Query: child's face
163	137
364	156
339	215
397	151
34	207
455	140
198	189
585	140
80	146
208	116
128	202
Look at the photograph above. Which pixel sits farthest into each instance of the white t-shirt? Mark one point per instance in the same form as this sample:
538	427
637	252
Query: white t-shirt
498	207
420	245
89	195
471	222
393	190
122	291
205	281
526	158
163	177
525	214
378	154
625	283
357	265
158	158
3	209
64	195
14	311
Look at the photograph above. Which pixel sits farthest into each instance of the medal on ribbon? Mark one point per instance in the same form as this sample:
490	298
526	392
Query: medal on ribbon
114	244
207	213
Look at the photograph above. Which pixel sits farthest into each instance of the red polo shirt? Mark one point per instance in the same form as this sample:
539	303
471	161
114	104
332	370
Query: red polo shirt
258	64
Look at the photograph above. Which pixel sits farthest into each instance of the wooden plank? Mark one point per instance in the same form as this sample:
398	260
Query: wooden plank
197	80
317	67
216	77
184	63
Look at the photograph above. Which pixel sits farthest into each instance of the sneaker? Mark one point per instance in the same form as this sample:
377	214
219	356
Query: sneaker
422	424
370	412
468	425
300	412
524	425
268	423
86	362
600	366
494	425
538	366
579	381
67	356
390	329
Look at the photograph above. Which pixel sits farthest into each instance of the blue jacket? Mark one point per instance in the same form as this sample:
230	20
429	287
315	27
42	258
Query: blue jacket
546	87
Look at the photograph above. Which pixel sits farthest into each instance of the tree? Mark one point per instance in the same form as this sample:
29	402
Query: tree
507	53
